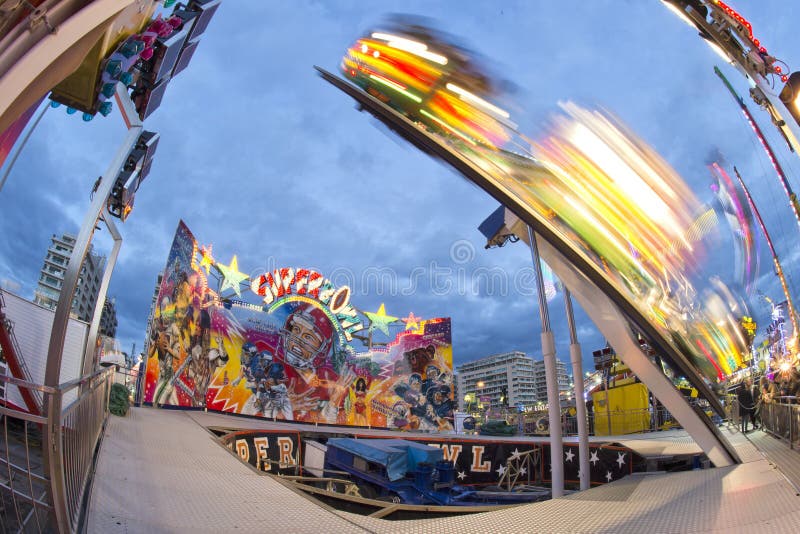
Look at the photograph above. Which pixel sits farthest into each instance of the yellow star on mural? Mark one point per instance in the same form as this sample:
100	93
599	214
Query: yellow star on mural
231	276
380	320
412	321
206	259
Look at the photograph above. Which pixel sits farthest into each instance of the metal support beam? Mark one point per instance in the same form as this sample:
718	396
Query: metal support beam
82	243
580	403
614	326
89	362
549	356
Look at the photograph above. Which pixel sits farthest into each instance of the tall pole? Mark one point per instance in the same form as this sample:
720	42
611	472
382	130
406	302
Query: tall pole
10	164
84	240
787	188
89	356
549	356
580	403
775	261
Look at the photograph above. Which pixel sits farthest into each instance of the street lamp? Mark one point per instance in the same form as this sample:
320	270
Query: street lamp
469	398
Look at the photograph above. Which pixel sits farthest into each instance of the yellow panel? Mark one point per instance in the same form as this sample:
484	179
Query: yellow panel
79	89
628	410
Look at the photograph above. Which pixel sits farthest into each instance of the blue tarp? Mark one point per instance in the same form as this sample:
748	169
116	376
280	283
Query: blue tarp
398	456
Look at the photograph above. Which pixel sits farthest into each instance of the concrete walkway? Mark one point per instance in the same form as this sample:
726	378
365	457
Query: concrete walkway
161	471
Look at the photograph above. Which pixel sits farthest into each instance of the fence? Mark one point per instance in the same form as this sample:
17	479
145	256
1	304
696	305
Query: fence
617	422
781	418
46	461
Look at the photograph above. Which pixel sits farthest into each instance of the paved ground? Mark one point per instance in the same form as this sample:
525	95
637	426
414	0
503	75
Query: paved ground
161	471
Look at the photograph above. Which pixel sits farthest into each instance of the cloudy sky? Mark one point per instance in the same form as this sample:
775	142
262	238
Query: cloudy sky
263	159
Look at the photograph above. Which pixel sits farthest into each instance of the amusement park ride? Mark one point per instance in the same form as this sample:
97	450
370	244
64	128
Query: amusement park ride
425	89
412	81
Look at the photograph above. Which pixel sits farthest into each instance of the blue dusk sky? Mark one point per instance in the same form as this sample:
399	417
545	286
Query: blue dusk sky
263	159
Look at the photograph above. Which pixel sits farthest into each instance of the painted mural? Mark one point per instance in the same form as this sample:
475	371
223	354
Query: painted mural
288	345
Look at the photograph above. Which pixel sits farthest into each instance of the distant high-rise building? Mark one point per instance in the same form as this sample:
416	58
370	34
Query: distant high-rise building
489	377
150	316
563	379
51	278
108	321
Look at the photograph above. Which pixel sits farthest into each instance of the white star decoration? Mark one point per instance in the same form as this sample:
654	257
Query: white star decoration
570	455
593	458
621	459
501	471
514	455
608	476
523	471
231	276
462	475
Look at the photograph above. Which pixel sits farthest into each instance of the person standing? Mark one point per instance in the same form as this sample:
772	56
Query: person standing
746	404
756	392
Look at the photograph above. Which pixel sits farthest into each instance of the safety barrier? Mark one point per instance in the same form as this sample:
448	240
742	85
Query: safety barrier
616	422
781	418
46	461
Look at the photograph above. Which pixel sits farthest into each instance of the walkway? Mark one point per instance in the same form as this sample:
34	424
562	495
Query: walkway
161	471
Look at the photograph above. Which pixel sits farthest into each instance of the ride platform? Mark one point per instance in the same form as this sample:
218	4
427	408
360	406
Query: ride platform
163	471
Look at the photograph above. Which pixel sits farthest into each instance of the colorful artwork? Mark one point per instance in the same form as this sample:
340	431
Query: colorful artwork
287	347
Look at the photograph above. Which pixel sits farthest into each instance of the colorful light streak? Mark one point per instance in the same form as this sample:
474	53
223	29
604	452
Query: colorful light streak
787	188
775	261
407	68
741	224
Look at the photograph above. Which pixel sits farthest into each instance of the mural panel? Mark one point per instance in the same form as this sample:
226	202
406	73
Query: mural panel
292	348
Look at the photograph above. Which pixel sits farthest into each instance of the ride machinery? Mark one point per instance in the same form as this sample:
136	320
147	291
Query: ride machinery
617	225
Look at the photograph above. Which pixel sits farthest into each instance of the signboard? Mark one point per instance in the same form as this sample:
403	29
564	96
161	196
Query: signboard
283	345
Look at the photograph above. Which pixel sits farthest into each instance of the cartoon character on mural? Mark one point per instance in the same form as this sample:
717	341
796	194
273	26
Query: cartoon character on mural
194	374
318	391
360	416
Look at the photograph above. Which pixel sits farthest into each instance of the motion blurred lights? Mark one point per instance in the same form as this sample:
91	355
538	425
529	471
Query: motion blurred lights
790	95
412	47
469	97
716	48
680	12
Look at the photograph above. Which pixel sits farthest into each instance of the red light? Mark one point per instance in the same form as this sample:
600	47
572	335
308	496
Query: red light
784	78
756	42
762	49
778	69
352	72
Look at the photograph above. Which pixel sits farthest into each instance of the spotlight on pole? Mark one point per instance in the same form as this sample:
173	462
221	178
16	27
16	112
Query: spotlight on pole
133	172
790	95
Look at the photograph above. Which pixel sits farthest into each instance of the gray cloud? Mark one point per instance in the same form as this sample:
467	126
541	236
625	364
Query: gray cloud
265	160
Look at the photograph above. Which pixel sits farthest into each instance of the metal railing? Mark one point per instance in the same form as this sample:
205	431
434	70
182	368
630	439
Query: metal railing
24	501
8	324
617	422
46	462
781	418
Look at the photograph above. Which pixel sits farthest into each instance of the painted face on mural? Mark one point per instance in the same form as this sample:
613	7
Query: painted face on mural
307	338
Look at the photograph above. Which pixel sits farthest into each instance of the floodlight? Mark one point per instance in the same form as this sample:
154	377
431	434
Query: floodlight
185	56
200	12
134	171
790	95
148	97
165	54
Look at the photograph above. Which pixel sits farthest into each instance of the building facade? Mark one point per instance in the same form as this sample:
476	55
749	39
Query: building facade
51	278
150	316
565	392
108	321
485	380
